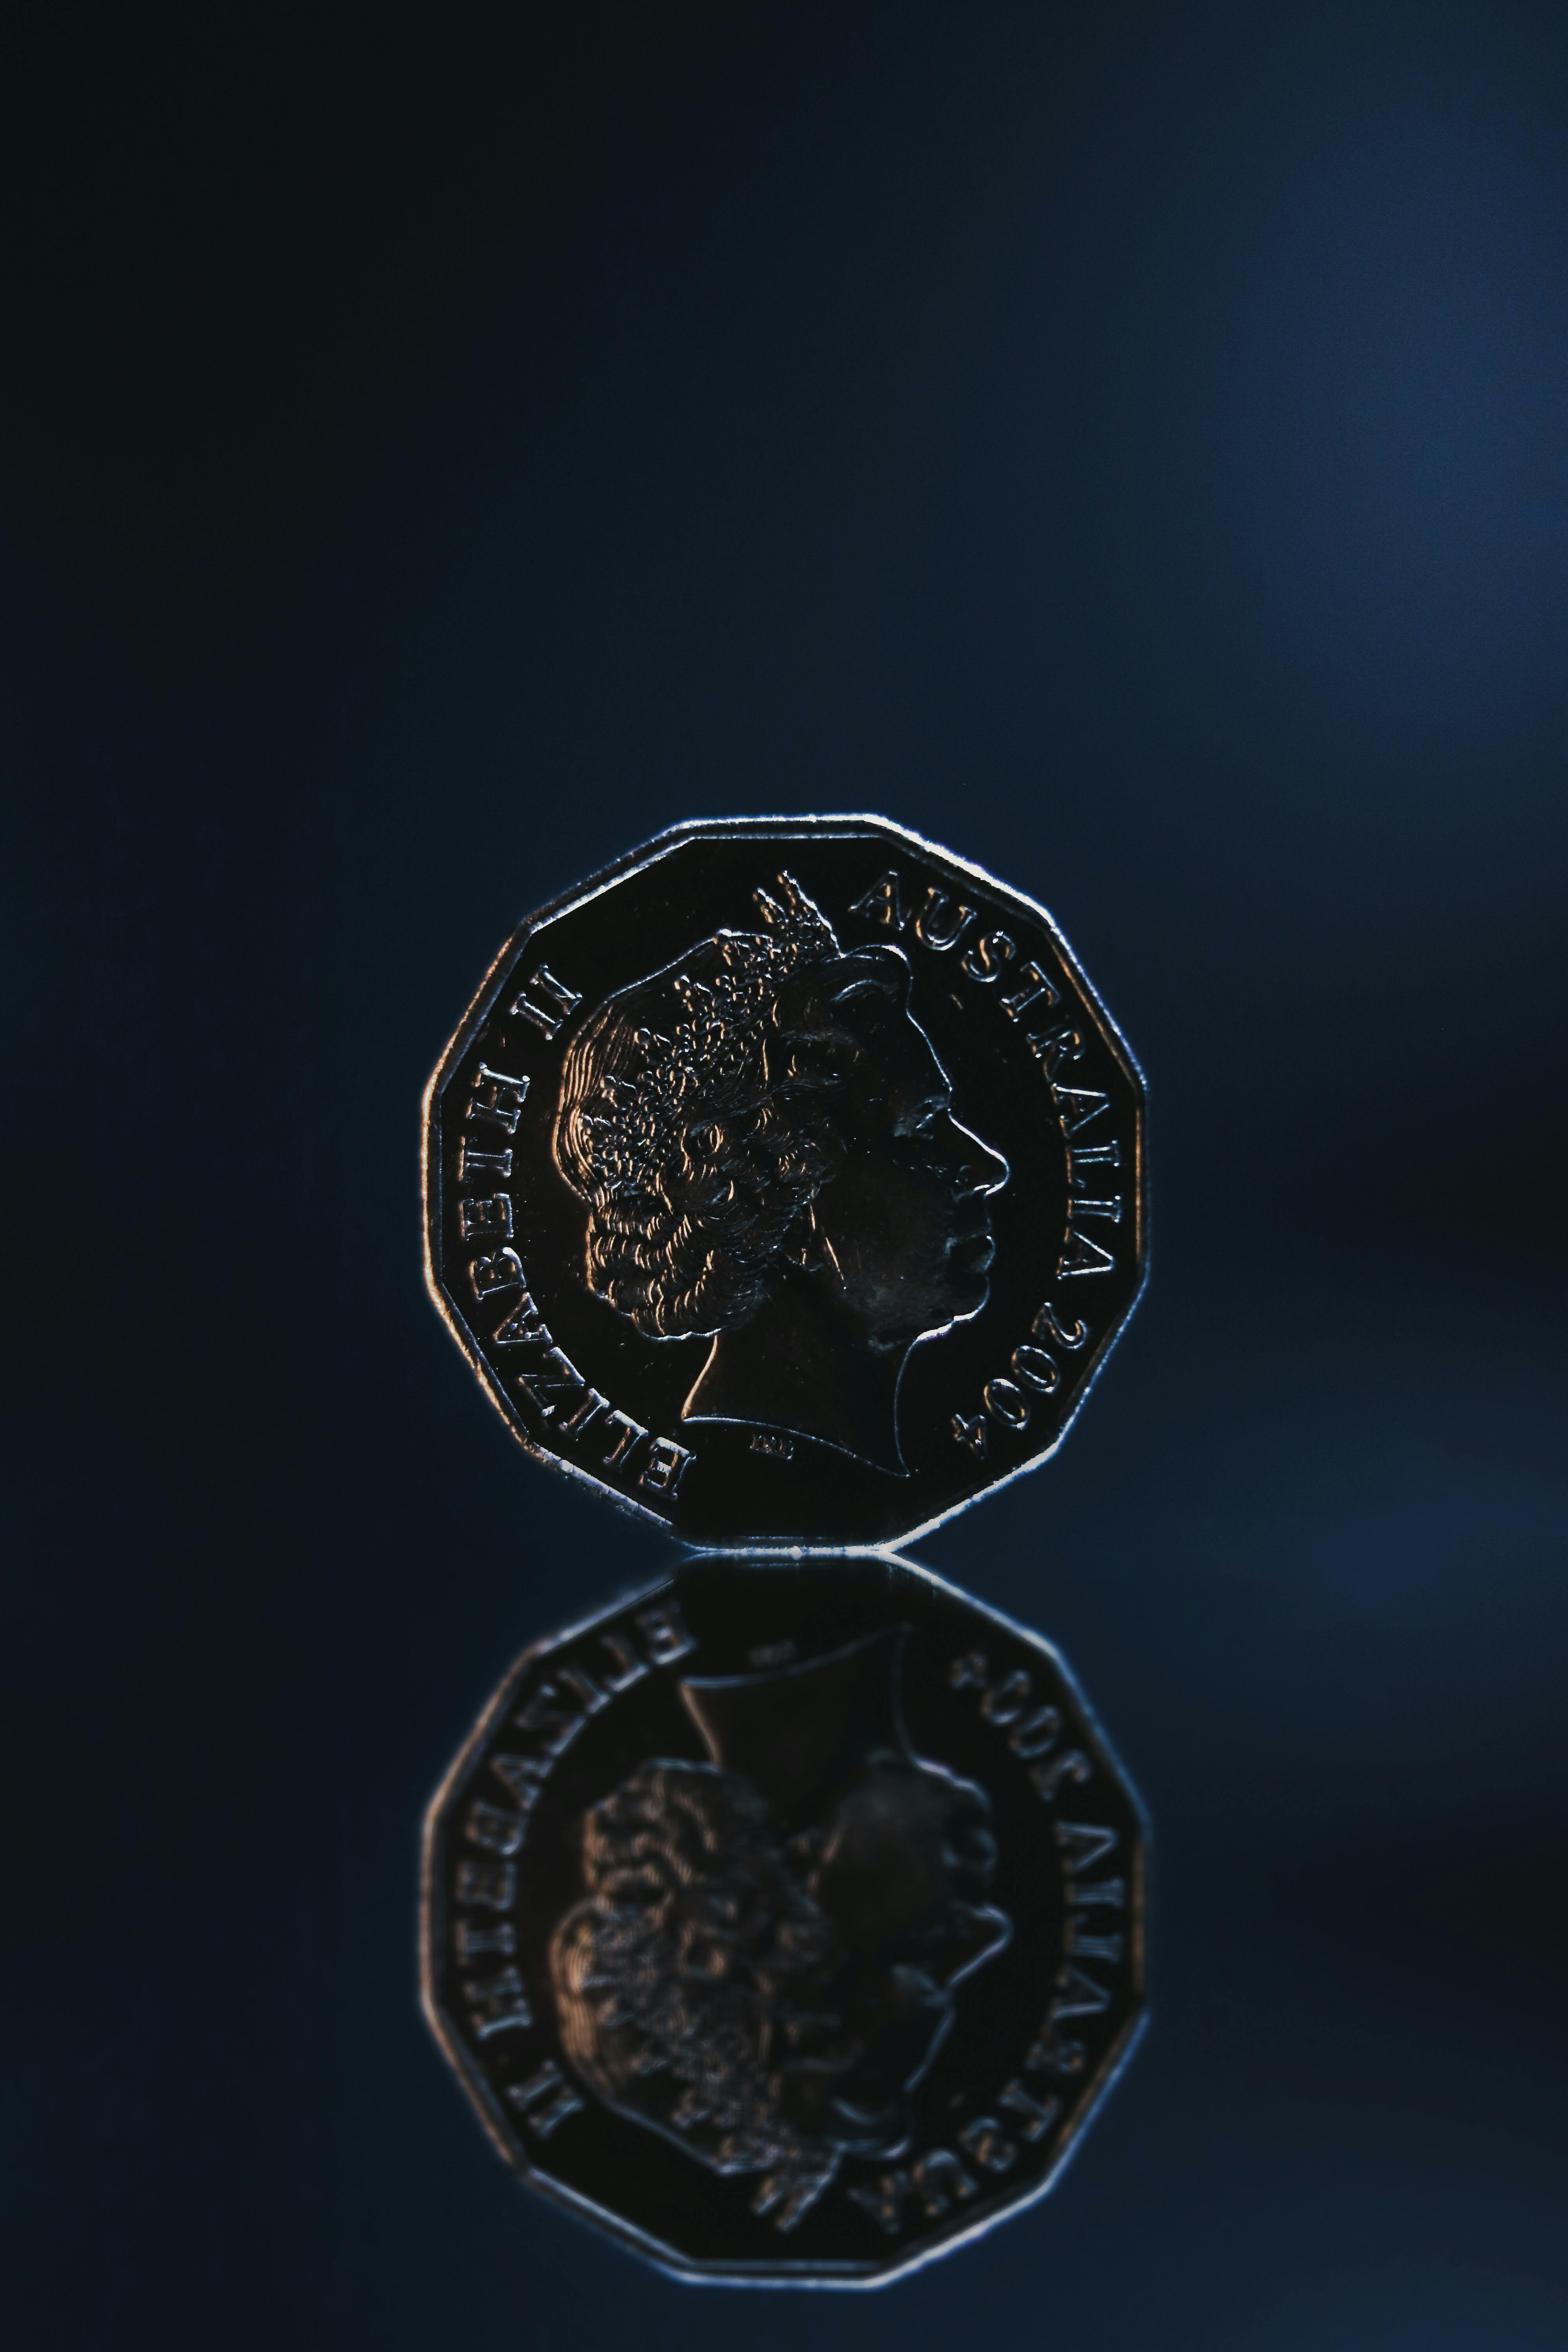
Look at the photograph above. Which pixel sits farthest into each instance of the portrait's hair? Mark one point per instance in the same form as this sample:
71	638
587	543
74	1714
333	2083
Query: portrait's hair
680	1976
695	1120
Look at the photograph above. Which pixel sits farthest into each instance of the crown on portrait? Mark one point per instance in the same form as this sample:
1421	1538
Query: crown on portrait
654	1080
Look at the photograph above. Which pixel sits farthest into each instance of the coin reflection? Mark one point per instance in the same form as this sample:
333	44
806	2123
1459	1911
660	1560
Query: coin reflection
767	1955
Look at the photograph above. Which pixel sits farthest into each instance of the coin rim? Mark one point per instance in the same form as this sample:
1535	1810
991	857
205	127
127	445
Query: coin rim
660	845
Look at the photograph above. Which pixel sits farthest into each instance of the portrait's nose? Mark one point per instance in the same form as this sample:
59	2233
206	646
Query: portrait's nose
976	1933
984	1170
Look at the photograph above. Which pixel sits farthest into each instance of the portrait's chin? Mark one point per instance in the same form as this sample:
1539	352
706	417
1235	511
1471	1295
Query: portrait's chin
968	1270
972	1246
873	2105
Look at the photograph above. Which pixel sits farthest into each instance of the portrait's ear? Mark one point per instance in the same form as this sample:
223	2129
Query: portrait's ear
819	1063
807	1053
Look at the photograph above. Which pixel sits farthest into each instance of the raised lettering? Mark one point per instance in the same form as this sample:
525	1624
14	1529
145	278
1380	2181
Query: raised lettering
666	1466
1091	1947
557	1378
522	1327
1045	1327
589	1405
940	924
630	1668
1007	1703
585	1687
1035	1734
664	1635
970	1672
497	1097
882	903
486	1218
488	1825
1095	1155
940	2181
627	1432
1081	1206
1082	1256
1033	983
1055	2052
1078	1995
491	1885
1033	1364
984	958
1076	1106
502	1272
1052	1048
472	1164
985	2143
1074	1766
545	2100
884	2201
498	2004
1084	1843
972	1434
1036	2116
1007	1403
560	1001
1109	1893
472	1939
543	1713
523	1775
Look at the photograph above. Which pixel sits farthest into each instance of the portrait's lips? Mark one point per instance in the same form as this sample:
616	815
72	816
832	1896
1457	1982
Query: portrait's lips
973	1244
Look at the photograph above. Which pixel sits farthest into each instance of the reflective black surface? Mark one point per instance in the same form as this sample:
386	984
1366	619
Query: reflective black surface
1128	446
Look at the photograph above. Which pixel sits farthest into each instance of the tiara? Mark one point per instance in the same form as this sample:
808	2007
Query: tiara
627	1123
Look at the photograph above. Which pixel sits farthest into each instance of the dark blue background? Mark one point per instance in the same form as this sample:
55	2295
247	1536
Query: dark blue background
440	448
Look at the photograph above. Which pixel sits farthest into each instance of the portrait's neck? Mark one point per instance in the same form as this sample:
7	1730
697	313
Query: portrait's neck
797	1367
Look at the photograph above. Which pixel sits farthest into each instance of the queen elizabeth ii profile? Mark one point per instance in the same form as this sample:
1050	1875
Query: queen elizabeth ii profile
769	1946
763	1137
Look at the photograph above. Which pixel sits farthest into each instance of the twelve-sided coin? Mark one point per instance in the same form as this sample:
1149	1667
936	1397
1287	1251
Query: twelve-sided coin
786	1183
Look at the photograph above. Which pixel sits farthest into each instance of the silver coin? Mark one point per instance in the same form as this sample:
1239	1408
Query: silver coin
785	1921
786	1183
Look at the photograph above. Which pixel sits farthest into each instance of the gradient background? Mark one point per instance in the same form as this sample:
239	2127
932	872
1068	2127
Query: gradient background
438	448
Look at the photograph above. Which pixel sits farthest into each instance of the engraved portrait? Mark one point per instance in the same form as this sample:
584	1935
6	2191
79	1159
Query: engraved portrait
766	1954
763	1137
